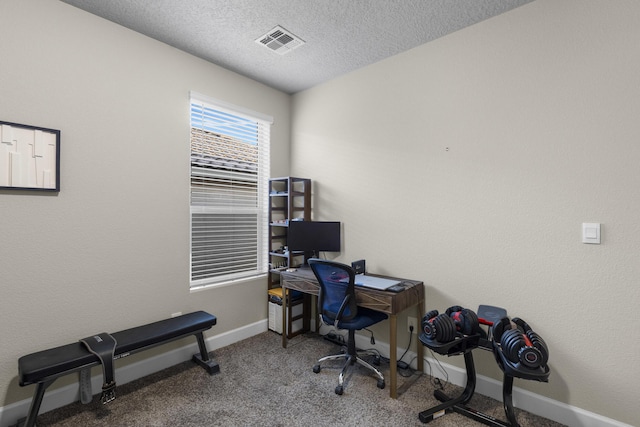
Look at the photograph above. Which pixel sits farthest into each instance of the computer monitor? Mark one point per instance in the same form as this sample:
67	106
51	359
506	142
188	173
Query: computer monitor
314	236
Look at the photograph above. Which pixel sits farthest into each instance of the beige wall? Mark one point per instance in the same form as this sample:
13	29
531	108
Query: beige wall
111	250
472	161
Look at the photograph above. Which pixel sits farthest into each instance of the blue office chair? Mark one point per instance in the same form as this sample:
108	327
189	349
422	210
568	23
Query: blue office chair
337	306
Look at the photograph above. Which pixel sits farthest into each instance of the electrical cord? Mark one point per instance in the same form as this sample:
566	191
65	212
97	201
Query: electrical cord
435	381
335	337
373	340
405	369
408	346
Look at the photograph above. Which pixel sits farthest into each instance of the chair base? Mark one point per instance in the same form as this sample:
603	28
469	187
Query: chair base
351	359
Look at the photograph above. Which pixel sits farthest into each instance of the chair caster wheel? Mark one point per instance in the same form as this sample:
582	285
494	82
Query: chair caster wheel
339	390
316	369
381	384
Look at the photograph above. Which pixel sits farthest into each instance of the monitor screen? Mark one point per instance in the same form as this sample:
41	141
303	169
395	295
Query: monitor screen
314	236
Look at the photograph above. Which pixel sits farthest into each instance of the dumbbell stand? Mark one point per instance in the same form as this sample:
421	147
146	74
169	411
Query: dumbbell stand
507	400
465	346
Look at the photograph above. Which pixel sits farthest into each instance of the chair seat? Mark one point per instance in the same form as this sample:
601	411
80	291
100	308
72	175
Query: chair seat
366	317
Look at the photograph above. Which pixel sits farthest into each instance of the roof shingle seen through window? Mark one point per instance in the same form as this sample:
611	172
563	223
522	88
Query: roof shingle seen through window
221	151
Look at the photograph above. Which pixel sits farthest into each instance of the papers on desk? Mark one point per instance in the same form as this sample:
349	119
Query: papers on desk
375	282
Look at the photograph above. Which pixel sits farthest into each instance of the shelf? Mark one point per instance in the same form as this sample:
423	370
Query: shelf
278	254
290	254
289	199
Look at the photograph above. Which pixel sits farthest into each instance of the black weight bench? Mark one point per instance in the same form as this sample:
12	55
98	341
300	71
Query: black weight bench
44	367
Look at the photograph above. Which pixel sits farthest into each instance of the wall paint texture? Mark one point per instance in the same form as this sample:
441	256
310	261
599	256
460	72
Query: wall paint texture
472	161
111	250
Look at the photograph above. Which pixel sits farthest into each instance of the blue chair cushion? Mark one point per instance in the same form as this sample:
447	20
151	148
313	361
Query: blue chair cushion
365	318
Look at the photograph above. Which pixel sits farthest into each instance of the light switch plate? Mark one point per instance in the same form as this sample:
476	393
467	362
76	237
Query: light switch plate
591	232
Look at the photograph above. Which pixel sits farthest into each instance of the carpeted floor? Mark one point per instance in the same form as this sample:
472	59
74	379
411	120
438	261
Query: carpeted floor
262	384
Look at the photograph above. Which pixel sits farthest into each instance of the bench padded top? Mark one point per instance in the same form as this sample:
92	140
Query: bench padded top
54	362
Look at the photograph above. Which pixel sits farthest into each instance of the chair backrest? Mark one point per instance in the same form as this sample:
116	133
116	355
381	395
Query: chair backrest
337	285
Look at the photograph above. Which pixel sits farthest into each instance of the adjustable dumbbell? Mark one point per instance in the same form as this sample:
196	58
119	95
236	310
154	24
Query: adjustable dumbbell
438	327
520	344
466	320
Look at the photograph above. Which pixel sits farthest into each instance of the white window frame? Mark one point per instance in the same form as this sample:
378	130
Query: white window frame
228	194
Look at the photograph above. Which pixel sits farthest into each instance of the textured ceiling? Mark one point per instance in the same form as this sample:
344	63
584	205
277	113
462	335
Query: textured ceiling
340	35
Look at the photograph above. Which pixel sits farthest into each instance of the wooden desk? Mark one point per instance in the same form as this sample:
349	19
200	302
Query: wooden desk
391	303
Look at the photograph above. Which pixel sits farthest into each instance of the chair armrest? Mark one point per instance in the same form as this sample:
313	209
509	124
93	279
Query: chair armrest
343	307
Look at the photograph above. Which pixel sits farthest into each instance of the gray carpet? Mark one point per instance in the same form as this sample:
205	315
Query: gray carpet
262	384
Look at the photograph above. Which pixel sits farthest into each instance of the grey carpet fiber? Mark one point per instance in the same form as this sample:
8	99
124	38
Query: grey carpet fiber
262	384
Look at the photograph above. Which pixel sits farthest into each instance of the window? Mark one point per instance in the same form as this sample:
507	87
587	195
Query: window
229	192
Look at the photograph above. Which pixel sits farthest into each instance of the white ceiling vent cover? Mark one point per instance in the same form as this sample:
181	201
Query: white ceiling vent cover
280	40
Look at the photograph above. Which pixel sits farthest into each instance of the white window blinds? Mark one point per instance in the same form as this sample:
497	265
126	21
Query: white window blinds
229	185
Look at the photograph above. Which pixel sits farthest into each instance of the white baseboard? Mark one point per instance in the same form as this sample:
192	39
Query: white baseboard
56	398
531	402
522	399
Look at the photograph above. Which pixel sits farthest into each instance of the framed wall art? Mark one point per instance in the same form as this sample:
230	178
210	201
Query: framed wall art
29	157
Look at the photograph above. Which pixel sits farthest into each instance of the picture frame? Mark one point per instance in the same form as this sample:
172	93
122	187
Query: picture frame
29	157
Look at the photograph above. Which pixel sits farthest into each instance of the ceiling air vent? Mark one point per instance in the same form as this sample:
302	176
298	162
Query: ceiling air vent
280	40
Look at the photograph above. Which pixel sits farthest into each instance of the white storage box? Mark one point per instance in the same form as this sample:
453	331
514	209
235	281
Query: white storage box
275	316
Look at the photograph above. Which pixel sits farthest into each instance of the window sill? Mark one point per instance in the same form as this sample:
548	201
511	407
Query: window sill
209	286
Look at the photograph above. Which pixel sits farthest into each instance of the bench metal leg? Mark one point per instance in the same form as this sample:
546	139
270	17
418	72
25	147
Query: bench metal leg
203	359
30	421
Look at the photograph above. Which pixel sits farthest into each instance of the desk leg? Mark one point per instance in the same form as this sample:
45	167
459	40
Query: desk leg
420	363
284	317
393	356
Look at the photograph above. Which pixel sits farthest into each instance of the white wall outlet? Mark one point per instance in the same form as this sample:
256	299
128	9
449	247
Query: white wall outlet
412	321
